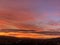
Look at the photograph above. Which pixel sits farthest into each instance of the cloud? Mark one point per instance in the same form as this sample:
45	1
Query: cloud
26	14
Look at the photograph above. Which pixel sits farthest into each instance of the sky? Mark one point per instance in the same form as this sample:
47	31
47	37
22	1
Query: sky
38	15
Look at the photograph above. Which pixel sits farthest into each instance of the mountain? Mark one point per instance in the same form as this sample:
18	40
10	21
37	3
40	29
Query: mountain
7	40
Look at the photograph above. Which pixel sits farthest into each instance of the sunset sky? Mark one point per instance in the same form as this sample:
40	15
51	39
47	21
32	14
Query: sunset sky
38	15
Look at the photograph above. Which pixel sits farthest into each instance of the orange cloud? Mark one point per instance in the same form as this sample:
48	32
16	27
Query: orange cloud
21	15
28	35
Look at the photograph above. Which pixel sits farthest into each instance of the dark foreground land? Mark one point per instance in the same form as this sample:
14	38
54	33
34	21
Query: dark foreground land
6	40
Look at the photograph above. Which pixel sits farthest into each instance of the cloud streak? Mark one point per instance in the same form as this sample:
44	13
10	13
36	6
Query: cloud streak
38	15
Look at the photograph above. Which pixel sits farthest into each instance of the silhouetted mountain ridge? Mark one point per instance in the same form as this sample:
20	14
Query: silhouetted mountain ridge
6	40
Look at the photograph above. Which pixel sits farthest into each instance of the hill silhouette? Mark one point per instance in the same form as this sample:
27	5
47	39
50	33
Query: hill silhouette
7	40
